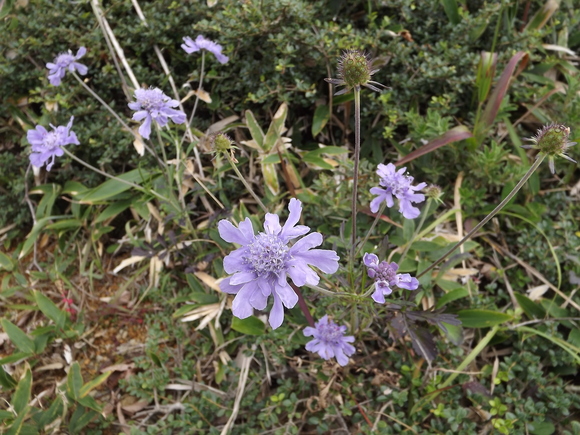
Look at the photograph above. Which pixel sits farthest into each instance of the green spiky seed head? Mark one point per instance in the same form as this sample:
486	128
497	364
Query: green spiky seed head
354	68
552	139
222	143
434	192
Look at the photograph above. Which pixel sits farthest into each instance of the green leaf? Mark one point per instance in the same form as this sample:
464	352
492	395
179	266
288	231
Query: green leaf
18	337
51	413
321	117
16	426
6	380
91	385
50	192
477	318
80	418
65	224
113	210
255	129
111	188
271	178
454	333
6	262
317	161
451	10
531	308
36	229
249	326
21	396
543	428
74	381
50	309
453	295
276	127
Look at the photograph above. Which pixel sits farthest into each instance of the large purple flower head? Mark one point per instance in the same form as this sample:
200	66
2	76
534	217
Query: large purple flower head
261	265
64	61
329	341
396	183
386	277
46	145
201	43
153	104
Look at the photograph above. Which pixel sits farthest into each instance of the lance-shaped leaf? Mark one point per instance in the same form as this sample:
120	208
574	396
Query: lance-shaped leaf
485	74
456	134
501	88
541	17
255	129
276	128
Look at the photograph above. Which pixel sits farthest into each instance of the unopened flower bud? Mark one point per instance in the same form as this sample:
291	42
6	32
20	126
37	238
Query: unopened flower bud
434	192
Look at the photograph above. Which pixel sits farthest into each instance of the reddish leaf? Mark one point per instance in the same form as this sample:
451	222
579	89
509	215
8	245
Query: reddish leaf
503	83
454	135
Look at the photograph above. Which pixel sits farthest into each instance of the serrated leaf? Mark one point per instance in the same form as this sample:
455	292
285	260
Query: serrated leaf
18	337
249	326
21	396
477	318
321	117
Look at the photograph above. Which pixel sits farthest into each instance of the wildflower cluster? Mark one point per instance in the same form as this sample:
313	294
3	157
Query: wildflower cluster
153	104
64	62
46	145
329	341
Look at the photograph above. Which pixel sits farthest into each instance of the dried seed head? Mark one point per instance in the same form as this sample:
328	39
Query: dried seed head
552	140
221	143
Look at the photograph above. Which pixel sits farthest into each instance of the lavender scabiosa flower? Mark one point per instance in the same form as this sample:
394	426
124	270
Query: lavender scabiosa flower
200	43
153	104
329	341
552	140
396	183
64	61
261	265
386	277
46	145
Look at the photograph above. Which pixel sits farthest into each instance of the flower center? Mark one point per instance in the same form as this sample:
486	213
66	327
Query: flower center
151	100
51	140
65	59
398	184
267	254
330	333
385	273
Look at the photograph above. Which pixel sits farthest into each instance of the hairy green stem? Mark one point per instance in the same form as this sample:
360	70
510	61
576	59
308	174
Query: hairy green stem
355	175
244	182
489	216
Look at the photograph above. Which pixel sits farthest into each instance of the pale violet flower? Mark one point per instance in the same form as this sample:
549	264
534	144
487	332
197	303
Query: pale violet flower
64	61
153	104
201	43
386	277
329	341
396	184
263	263
46	145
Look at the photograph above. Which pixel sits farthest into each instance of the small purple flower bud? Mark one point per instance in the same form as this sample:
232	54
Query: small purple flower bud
329	341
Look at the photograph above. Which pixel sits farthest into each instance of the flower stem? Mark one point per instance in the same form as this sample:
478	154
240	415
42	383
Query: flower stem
417	230
244	182
302	304
120	180
501	205
355	175
374	224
